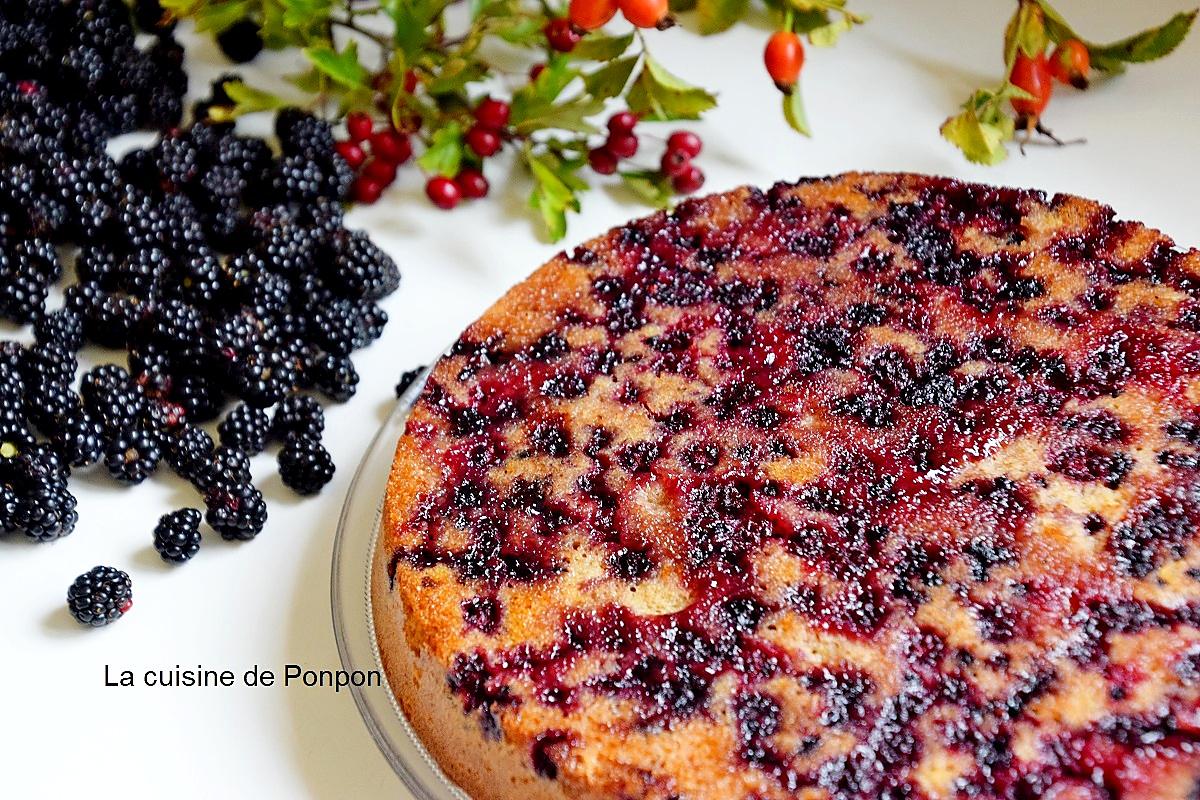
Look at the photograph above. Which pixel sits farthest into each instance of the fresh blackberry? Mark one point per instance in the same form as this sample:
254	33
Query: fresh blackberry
406	379
298	179
177	159
188	451
100	596
132	457
15	435
79	440
250	157
50	403
162	417
199	395
37	256
138	167
61	328
112	397
49	362
301	133
305	465
246	428
289	248
111	319
177	535
298	414
226	466
335	377
150	367
179	328
340	326
359	269
22	297
262	376
12	385
236	511
98	262
241	41
140	272
8	509
46	512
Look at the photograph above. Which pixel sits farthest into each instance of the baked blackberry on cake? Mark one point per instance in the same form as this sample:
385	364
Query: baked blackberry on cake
877	486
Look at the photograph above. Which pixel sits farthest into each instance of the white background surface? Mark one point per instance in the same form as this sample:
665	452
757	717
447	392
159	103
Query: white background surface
875	102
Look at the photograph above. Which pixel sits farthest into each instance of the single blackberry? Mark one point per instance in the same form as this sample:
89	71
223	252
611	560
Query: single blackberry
140	272
298	179
340	326
199	395
61	328
305	465
300	133
298	414
236	511
8	509
110	320
46	512
79	440
37	256
111	396
227	466
132	457
196	278
177	535
49	362
22	297
262	376
335	377
250	157
241	41
359	269
188	451
150	367
246	428
288	248
15	435
100	596
177	159
406	379
49	403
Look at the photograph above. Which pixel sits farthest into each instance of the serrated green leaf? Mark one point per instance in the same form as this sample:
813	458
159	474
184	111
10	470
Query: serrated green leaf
216	17
412	20
804	21
982	142
552	195
658	95
454	76
600	47
569	116
651	187
303	14
342	67
1025	33
793	111
1057	27
1148	45
610	80
719	15
444	154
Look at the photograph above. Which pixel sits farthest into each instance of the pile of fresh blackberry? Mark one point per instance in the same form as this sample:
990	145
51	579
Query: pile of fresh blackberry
214	270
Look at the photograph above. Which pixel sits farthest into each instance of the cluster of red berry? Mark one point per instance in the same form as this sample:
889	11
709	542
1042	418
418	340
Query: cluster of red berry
484	139
1069	63
676	163
588	15
389	148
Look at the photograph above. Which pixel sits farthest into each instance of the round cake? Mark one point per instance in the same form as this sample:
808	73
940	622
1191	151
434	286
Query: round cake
874	486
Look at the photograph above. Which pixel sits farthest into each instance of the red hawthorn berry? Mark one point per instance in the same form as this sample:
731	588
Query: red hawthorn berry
391	146
358	126
622	122
351	153
783	57
561	34
674	162
366	190
1070	63
602	160
591	14
379	170
685	142
443	192
483	141
411	81
622	145
1032	75
688	181
472	184
492	113
535	71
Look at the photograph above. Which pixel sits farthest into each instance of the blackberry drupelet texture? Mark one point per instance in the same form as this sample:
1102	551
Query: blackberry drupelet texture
177	535
305	465
100	596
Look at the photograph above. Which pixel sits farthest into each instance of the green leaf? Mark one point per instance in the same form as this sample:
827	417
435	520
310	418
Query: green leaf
598	47
680	6
445	152
983	128
454	76
303	14
216	17
246	100
1057	27
658	95
793	111
535	106
1025	33
554	191
569	116
342	67
719	15
651	186
1145	46
609	80
828	35
412	20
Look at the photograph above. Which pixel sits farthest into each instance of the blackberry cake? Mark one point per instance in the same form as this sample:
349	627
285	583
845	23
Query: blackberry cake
874	486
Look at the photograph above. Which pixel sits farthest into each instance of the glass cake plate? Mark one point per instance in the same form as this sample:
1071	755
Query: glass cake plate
353	624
